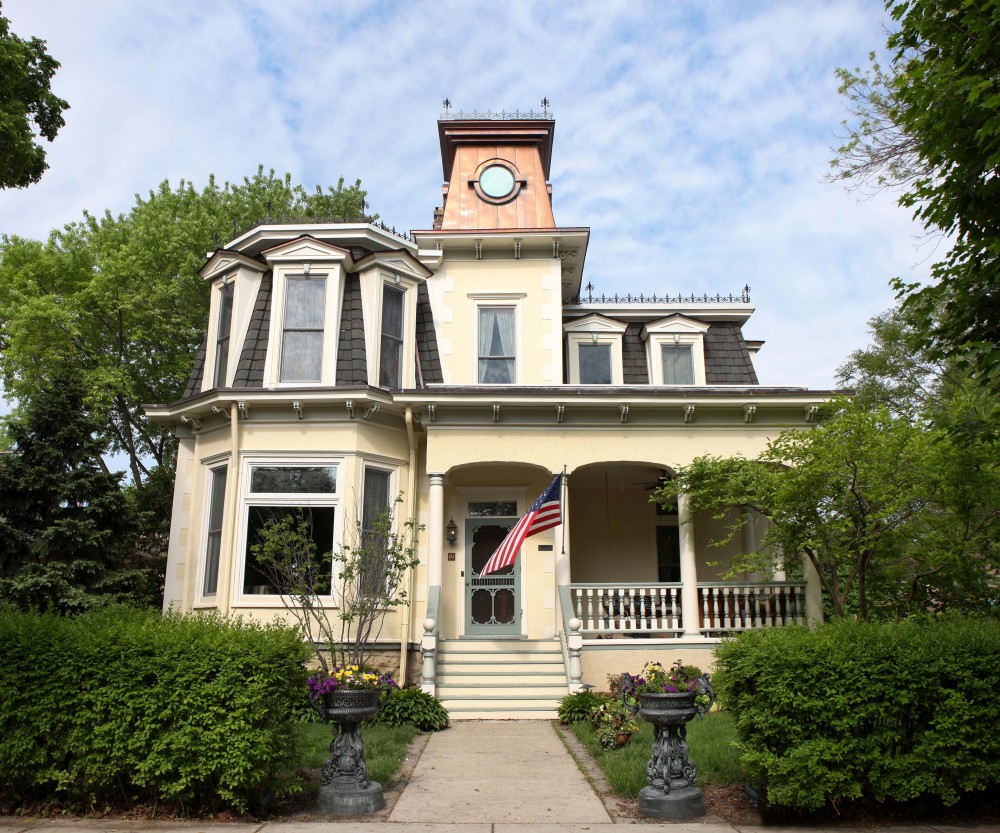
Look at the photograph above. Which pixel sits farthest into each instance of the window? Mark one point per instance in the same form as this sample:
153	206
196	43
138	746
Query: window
595	364
391	350
222	334
668	553
213	546
496	345
678	364
304	492
302	330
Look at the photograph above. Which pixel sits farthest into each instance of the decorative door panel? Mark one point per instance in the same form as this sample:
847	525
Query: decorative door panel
493	601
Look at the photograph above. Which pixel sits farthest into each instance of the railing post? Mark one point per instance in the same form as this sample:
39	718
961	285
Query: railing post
428	652
574	643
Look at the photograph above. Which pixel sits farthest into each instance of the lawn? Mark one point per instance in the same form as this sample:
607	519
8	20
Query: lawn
713	750
385	747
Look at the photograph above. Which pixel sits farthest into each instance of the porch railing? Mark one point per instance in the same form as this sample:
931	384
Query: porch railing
654	609
729	606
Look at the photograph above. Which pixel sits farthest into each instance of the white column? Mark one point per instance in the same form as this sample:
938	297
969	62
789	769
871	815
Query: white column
435	530
689	570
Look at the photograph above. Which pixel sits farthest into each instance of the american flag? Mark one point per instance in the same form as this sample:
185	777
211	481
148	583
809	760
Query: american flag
545	513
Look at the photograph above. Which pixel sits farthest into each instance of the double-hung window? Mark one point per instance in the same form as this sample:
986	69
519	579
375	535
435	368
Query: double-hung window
222	334
213	545
391	348
678	364
496	346
307	494
302	329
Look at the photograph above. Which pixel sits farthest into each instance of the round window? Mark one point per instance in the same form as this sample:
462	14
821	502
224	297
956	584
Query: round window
497	181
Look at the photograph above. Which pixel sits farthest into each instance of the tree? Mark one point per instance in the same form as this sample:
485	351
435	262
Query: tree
27	105
122	296
67	531
366	572
930	126
894	517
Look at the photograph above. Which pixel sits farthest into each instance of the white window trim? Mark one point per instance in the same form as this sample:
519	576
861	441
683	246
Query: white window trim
331	324
248	499
408	370
677	329
499	301
211	465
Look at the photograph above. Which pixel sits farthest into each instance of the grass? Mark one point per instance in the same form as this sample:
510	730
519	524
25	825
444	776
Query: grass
385	747
713	750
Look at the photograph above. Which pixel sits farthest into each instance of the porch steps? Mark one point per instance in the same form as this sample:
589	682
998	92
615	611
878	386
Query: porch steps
500	679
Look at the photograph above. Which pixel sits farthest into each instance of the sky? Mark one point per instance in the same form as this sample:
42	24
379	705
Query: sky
692	138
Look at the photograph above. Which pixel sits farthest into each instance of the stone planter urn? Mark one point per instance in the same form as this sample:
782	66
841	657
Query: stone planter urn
671	792
345	788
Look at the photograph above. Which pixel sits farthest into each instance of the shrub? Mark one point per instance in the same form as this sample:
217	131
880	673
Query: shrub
415	707
123	704
580	705
859	709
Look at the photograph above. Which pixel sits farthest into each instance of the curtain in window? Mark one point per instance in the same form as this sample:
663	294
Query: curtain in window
302	341
496	346
678	366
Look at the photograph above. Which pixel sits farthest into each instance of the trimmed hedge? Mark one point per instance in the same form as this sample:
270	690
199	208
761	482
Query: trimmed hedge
127	706
892	712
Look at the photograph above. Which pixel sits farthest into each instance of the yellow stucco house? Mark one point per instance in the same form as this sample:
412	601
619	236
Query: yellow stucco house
465	365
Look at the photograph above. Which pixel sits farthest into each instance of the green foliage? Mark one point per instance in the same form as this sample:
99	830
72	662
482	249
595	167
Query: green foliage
860	709
367	570
928	124
895	517
67	531
411	706
122	297
123	704
28	108
580	705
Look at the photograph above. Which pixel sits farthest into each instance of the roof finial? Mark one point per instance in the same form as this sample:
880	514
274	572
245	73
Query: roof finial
545	107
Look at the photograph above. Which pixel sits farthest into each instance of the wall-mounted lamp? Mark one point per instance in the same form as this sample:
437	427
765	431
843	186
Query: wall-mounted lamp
451	532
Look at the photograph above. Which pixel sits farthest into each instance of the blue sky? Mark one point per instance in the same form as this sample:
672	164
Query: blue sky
691	137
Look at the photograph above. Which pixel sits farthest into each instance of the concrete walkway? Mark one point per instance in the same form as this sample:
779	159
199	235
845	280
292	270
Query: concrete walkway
516	772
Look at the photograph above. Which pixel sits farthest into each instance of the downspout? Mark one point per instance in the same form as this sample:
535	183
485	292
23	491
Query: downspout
411	505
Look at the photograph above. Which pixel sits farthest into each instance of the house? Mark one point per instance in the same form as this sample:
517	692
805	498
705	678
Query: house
465	365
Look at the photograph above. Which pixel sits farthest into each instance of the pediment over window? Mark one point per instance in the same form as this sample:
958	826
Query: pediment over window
221	261
305	248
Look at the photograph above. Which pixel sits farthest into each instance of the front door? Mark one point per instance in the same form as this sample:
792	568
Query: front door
492	602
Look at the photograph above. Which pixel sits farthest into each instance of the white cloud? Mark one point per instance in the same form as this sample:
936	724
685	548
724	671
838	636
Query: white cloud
691	137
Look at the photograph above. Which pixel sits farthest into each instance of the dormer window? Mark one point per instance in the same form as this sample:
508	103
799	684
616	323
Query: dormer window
594	350
391	347
302	329
222	334
676	350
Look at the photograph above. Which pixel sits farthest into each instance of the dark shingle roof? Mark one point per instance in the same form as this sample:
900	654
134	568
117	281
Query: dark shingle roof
352	360
427	348
635	370
250	369
197	372
727	359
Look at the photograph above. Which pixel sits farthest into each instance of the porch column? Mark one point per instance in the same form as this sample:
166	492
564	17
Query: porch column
435	530
689	570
